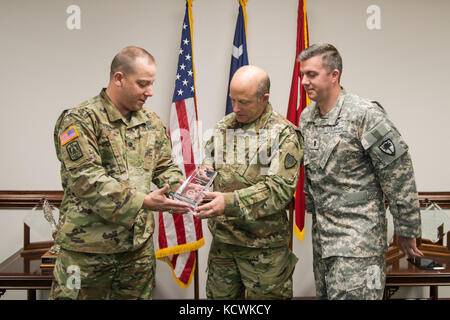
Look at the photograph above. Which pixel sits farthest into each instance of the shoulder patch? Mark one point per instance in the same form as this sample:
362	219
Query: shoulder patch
387	147
74	151
68	135
289	161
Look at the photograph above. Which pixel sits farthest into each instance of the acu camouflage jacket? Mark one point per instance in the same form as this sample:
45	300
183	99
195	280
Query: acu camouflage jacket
354	156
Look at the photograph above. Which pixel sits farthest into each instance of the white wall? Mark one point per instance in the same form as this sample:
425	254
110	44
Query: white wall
46	68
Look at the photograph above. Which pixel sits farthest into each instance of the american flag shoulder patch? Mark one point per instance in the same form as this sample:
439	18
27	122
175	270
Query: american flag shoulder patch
68	135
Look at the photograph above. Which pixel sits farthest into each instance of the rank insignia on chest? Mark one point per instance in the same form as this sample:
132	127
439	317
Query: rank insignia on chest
315	144
68	135
149	126
289	161
74	151
387	147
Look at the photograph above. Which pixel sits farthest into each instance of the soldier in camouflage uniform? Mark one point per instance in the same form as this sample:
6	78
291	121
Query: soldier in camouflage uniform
257	154
354	156
111	148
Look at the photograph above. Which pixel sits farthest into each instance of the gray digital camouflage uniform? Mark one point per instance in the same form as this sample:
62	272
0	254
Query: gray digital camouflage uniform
354	156
258	166
107	165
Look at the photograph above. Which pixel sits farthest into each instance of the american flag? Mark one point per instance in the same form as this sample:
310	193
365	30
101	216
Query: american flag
69	135
181	234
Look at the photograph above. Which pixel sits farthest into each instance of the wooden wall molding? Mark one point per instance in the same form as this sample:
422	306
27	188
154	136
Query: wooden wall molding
29	199
441	198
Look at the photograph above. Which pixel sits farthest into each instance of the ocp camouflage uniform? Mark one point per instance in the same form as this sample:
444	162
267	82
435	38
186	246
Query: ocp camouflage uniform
258	178
107	165
354	156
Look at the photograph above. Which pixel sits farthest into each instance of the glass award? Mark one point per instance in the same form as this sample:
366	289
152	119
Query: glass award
191	191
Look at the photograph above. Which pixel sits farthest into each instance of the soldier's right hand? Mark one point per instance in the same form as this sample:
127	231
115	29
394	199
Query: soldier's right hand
214	205
157	201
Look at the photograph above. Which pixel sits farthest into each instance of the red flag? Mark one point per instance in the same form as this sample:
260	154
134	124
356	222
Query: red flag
295	108
181	234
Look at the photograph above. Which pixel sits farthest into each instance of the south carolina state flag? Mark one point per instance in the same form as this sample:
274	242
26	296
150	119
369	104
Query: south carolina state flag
239	55
181	234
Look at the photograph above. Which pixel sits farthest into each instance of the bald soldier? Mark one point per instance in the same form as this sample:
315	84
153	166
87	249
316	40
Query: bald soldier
111	148
257	154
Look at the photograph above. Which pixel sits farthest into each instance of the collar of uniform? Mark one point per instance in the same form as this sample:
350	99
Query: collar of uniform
330	118
309	112
111	110
261	121
114	114
137	118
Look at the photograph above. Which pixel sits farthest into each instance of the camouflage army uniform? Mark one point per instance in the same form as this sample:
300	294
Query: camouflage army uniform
353	156
107	165
258	178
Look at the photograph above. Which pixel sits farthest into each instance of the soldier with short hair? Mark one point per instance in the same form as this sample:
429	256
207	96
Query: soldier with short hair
111	149
257	154
354	156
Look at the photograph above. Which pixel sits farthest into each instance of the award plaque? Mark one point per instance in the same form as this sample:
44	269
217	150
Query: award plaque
191	191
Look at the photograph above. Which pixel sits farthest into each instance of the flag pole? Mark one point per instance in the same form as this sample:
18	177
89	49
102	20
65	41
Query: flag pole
196	295
291	207
196	266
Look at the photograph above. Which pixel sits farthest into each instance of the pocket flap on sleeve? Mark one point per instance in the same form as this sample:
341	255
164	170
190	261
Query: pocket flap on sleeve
375	135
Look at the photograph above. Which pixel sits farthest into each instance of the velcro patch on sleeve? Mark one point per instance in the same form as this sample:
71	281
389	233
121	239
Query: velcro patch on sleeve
68	135
74	151
289	161
377	133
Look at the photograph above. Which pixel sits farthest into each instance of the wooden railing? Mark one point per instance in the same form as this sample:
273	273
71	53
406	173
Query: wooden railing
28	199
441	198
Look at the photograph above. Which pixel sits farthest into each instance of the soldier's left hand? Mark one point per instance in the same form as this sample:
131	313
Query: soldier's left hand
408	246
215	207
